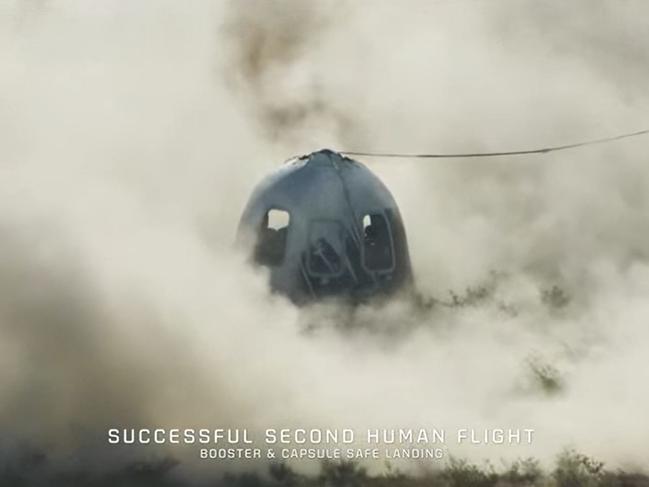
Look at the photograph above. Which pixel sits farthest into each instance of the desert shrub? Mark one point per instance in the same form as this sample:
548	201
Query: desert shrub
523	473
576	470
342	474
461	473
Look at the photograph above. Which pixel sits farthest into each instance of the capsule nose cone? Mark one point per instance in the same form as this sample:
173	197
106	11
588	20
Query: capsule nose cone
327	152
326	157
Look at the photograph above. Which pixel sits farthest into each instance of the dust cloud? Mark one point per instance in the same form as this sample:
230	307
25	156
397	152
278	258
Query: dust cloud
131	134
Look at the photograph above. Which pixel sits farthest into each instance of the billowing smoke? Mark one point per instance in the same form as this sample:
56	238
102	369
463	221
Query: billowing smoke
132	133
269	48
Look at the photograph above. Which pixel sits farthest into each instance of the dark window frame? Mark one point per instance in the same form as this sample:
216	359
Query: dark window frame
390	235
259	257
309	269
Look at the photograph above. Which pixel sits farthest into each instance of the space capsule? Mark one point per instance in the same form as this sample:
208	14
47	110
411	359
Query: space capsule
325	226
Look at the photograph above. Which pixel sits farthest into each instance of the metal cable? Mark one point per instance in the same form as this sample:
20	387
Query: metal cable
543	150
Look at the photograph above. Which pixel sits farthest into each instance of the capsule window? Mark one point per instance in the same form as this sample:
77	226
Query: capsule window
278	219
272	237
378	254
325	248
